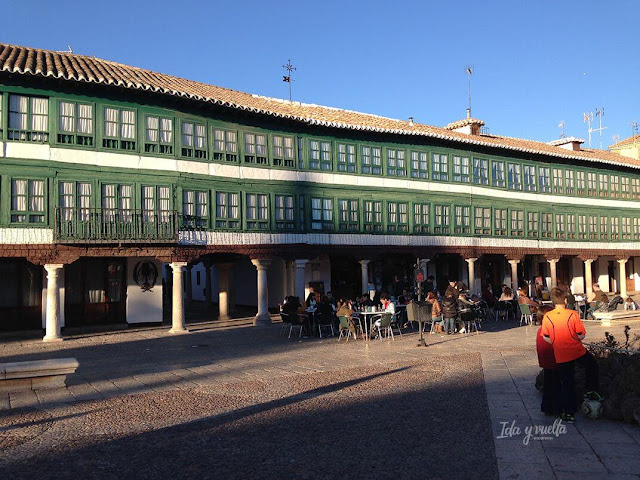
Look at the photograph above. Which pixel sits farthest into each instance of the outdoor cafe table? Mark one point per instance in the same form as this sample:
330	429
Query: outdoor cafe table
367	321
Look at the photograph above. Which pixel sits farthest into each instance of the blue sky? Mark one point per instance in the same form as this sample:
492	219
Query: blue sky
536	62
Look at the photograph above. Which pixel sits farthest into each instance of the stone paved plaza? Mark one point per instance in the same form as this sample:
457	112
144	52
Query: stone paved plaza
231	401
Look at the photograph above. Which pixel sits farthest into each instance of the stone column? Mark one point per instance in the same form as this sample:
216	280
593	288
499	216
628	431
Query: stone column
223	290
364	268
588	277
52	316
301	265
262	317
552	266
514	276
623	276
177	310
424	267
471	264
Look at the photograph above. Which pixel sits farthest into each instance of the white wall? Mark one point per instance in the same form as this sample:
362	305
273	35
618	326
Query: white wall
577	280
602	275
143	306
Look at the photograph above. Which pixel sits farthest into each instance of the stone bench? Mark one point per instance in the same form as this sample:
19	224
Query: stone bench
35	375
605	318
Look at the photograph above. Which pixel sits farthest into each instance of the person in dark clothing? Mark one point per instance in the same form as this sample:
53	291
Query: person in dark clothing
452	288
429	285
312	299
397	287
488	296
450	312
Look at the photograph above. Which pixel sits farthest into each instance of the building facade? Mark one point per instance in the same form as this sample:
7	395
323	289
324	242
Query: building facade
115	181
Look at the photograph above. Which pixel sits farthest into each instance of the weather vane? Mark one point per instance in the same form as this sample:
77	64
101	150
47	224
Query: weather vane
287	78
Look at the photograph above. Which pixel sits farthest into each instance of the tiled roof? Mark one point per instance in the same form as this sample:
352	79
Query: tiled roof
81	68
626	142
565	140
463	123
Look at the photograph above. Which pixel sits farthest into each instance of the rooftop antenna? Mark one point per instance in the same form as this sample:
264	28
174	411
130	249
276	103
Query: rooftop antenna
68	50
588	118
615	138
469	70
287	78
634	131
561	125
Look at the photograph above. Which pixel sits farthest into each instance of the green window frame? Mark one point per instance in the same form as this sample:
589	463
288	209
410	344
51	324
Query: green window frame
255	148
626	228
546	225
283	151
193	139
544	179
227	210
482	221
635	188
75	123
442	219
614	184
28	200
571	226
529	178
460	167
322	214
346	161
158	134
533	224
558	181
156	203
397	217
320	155
462	223
615	228
604	227
2	97
603	184
285	212
421	217
517	223
581	184
396	163
480	171
75	201
497	174
372	219
625	187
195	208
514	176
256	211
569	182
593	227
116	201
119	132
225	145
440	167
419	165
348	215
500	222
592	184
583	227
371	160
560	230
636	228
28	118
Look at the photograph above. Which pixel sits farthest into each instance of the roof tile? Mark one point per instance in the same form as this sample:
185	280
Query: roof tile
80	68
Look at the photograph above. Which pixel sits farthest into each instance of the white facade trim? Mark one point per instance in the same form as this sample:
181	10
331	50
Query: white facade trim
26	236
240	238
240	172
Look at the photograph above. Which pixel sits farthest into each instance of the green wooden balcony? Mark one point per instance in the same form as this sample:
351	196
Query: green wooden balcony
98	225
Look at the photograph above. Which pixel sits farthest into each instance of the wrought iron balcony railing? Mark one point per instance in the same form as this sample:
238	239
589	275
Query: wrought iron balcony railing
100	225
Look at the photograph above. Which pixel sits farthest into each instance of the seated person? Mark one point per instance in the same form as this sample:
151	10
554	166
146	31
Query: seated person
345	309
596	298
507	295
629	304
366	301
387	305
311	298
488	297
524	300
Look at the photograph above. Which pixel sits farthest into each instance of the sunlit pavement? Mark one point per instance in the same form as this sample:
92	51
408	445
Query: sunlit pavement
230	400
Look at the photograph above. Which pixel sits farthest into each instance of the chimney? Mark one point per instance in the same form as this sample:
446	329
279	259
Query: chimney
411	121
469	125
468	113
568	143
